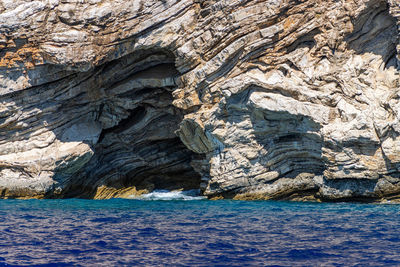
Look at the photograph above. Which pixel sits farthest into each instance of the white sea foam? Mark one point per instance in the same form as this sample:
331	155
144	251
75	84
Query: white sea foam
171	195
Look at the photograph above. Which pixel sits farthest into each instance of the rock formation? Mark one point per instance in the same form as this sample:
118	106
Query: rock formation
245	99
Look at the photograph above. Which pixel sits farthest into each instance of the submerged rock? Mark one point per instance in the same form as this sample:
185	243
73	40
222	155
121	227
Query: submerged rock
242	99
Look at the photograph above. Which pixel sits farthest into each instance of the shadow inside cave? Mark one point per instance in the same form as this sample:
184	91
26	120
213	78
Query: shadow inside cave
131	126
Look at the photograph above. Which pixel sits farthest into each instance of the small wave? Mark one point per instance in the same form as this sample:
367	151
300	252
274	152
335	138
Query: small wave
171	195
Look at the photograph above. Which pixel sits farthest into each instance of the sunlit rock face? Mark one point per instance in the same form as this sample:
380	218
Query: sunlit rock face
242	99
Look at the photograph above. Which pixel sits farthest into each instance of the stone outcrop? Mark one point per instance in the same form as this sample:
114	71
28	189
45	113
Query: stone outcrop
243	99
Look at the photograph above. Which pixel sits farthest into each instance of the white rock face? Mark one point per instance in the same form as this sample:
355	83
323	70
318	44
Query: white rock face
244	99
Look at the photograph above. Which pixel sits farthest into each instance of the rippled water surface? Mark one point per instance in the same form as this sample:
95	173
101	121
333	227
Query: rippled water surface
197	233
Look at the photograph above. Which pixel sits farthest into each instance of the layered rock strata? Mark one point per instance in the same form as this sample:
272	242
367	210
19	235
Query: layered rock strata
243	99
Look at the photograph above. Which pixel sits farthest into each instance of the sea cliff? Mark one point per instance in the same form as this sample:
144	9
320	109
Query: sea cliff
241	99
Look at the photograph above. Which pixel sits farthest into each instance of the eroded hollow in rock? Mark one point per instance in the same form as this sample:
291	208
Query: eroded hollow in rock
137	146
375	32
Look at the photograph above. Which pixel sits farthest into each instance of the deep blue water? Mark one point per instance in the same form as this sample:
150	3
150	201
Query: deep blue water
197	233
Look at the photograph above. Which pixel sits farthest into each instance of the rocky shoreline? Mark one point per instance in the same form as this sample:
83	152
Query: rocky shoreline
246	100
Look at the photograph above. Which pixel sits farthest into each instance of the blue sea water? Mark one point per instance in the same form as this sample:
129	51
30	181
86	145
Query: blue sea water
125	232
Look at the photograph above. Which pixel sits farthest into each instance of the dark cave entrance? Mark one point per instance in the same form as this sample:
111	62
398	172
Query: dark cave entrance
138	146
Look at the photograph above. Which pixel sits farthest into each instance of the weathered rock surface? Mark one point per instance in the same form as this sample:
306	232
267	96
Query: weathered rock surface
242	99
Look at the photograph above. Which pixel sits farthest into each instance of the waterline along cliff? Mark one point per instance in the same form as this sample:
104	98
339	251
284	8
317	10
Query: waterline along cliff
244	99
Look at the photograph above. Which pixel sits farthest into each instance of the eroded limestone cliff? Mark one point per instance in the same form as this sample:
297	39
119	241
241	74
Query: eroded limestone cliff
265	99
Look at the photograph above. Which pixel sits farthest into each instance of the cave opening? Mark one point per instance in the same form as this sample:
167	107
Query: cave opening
137	147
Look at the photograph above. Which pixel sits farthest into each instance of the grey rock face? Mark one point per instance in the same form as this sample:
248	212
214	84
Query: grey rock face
242	99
